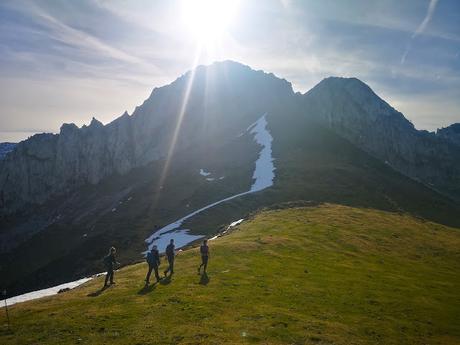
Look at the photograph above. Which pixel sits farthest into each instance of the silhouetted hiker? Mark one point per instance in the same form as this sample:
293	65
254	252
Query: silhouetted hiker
170	257
204	250
109	262
153	259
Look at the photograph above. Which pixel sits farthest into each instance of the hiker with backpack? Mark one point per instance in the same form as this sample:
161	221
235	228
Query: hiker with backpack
204	250
170	256
109	262
153	260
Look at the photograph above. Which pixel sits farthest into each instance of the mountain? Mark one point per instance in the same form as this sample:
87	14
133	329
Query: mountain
6	148
355	112
178	168
223	100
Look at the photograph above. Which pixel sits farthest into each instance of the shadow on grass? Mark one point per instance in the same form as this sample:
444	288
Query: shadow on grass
204	279
5	330
147	289
98	292
166	280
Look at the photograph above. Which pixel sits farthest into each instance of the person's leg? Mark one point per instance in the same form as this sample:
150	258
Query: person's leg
169	266
147	278
172	266
205	263
106	278
157	276
111	276
201	265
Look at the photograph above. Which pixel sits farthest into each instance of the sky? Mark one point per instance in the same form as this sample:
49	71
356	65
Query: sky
67	61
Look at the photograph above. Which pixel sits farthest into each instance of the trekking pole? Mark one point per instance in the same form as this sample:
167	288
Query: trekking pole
6	310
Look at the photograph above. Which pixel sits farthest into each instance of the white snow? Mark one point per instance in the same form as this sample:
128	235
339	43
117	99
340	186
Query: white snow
45	292
235	223
265	169
204	172
210	178
263	176
239	221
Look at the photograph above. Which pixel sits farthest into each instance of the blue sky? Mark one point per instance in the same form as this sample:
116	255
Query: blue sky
67	61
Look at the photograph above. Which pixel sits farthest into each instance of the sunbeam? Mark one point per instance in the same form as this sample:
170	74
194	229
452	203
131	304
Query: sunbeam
177	128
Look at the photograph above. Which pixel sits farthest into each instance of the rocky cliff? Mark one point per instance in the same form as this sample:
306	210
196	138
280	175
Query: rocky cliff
354	111
6	148
208	106
205	105
450	133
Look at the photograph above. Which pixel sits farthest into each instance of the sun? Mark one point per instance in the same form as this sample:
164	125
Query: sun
207	20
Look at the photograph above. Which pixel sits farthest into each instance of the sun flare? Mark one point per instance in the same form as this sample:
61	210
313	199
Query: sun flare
207	20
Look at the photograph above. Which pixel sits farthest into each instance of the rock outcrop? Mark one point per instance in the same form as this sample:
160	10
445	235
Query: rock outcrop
450	133
350	108
6	148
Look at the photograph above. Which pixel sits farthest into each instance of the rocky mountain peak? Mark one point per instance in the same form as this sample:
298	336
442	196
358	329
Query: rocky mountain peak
95	123
450	133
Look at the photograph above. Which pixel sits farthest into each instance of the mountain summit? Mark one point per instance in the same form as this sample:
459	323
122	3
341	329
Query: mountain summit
188	158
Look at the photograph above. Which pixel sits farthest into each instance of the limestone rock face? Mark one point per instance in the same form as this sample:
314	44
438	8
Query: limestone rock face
450	133
210	104
350	108
6	148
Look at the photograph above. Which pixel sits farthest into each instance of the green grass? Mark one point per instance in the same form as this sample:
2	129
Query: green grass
321	275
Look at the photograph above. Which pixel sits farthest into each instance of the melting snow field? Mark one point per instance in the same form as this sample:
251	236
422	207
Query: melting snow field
45	292
263	176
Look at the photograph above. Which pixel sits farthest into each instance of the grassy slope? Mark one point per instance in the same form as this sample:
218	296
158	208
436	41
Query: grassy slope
327	275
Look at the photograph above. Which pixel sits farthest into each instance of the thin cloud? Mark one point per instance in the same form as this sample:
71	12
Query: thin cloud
68	35
421	28
426	20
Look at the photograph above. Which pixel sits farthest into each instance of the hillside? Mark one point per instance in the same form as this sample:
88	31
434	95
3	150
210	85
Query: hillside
309	275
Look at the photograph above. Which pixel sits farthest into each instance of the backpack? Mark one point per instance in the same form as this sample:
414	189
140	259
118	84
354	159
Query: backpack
107	260
149	258
170	250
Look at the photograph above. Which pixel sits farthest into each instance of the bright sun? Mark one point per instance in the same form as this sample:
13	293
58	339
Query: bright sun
208	19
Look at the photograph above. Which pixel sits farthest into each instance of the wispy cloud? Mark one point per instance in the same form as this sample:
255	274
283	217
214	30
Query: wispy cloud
67	61
421	28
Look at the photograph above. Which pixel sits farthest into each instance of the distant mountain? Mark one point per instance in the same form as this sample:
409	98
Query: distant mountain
6	148
192	146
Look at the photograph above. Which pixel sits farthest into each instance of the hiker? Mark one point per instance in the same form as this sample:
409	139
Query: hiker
153	259
170	257
204	250
109	262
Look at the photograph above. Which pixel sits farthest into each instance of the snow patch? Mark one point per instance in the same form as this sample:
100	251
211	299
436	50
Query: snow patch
263	176
239	221
204	172
228	227
46	292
